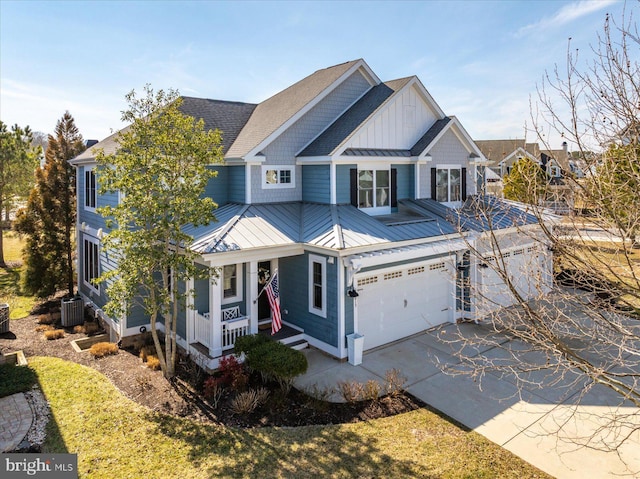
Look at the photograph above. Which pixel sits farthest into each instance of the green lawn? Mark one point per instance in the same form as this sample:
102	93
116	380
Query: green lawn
115	437
20	304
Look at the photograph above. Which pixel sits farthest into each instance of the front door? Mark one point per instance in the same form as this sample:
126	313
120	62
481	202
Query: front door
264	274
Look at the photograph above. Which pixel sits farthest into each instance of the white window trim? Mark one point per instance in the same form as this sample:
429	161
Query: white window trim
375	210
278	168
93	287
450	167
86	207
238	297
323	262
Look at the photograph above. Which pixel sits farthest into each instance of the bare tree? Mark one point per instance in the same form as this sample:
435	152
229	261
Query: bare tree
579	333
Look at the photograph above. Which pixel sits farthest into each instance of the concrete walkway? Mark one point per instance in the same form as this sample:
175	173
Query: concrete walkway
15	421
538	424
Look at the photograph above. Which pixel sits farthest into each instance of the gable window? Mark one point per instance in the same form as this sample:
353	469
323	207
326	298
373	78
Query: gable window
90	193
231	283
90	263
318	285
278	177
448	184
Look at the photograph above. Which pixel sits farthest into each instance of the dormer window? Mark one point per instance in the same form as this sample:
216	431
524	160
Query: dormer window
278	176
374	193
448	184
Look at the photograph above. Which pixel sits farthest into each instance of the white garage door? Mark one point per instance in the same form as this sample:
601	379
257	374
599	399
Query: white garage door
395	303
525	269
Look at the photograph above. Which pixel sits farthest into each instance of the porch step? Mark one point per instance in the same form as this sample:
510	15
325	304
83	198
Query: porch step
299	344
287	335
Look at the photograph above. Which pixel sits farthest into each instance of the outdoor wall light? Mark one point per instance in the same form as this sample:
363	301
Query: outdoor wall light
352	292
483	265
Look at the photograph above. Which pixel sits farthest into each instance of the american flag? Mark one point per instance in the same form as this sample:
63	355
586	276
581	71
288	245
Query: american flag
273	293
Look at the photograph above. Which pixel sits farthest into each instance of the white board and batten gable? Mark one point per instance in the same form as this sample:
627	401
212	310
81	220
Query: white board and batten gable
399	123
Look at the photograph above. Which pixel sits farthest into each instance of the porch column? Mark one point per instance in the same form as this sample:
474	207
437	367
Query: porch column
252	294
190	313
215	320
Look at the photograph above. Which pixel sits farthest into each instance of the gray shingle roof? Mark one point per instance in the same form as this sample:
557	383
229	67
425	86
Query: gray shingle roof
355	116
429	136
228	116
272	113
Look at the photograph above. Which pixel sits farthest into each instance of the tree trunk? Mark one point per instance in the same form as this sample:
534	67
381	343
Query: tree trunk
2	263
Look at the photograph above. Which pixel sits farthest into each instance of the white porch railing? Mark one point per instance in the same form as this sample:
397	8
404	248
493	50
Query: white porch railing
202	328
232	330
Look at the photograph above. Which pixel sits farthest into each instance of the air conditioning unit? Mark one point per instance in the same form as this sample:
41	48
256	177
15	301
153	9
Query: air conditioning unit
72	311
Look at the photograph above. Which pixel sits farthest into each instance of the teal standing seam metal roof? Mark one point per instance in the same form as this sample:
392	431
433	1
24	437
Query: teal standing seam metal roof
339	227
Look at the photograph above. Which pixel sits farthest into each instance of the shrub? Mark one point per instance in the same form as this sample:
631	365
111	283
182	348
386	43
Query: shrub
44	327
147	351
232	373
246	402
245	344
213	390
153	362
351	391
277	361
87	328
371	390
45	319
54	334
100	350
394	382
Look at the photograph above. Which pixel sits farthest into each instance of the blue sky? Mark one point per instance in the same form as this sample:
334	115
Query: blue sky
481	61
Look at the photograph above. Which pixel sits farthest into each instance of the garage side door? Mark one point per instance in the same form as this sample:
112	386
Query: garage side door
393	304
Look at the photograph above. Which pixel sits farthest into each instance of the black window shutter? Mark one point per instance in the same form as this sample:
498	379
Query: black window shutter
433	183
394	187
464	184
353	172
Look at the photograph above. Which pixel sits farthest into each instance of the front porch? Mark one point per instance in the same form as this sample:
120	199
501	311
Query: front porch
230	306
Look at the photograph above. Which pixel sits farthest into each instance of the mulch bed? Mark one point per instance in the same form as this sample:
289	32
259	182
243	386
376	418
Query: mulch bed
182	397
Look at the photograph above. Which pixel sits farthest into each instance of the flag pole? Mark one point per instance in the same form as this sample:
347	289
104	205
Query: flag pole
265	286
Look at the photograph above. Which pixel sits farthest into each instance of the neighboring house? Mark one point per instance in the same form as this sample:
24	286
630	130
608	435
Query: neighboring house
353	189
557	164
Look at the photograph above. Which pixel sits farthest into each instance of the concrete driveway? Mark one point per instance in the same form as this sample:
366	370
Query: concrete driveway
541	425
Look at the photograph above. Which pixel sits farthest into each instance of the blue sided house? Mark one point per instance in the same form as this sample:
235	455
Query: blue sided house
362	194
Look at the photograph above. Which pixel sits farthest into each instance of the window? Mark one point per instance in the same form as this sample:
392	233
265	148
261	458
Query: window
447	184
278	177
231	283
90	263
318	285
373	189
89	189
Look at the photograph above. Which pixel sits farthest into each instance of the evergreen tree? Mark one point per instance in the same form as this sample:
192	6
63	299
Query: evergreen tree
18	158
526	182
50	215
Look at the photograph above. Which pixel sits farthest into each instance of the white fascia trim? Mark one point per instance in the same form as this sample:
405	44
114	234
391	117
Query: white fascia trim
310	105
431	102
464	136
313	160
247	183
519	152
255	254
